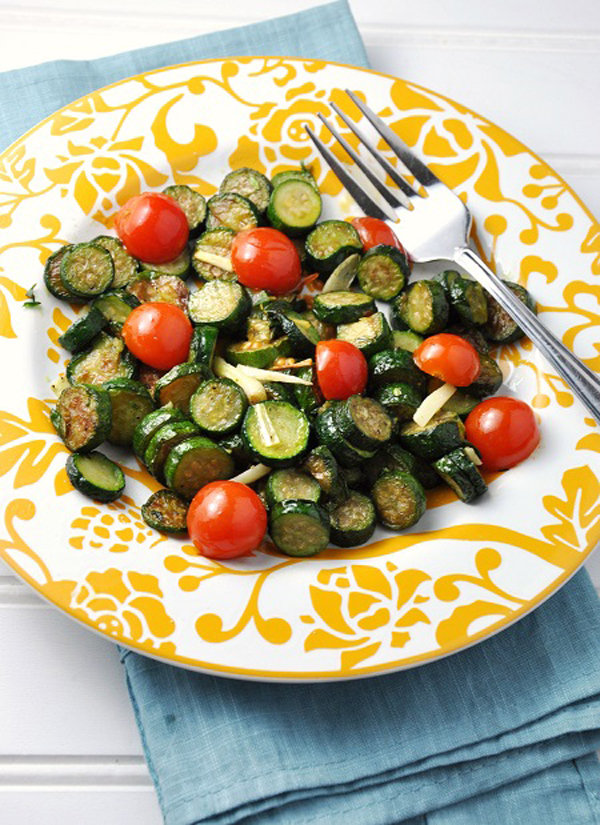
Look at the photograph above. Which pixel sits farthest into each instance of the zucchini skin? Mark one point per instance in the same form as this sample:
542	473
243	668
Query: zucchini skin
130	402
162	441
344	417
179	384
467	298
299	173
115	305
459	472
500	327
151	424
400	399
321	464
370	335
216	463
73	259
234	445
444	433
166	512
489	379
52	278
328	433
279	214
283	485
393	457
203	345
345	241
395	278
304	542
89	488
342	307
391	366
192	203
345	534
82	417
308	399
271	456
406	485
179	267
211	295
82	370
83	331
126	267
407	339
258	354
422	307
233	404
250	184
301	334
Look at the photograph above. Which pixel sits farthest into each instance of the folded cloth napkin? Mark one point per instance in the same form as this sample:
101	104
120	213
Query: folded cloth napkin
501	734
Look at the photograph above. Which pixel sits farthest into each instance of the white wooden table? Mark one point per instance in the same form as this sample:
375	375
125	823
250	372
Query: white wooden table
69	749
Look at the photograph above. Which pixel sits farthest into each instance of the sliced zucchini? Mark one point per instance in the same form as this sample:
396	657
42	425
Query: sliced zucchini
461	403
364	422
195	462
293	174
350	456
234	445
278	392
218	406
329	243
115	305
444	433
290	483
383	272
151	424
392	458
191	202
353	521
393	365
82	417
86	270
232	211
399	499
406	339
179	267
161	443
126	267
52	278
179	384
342	307
259	328
249	183
224	304
467	298
500	327
291	428
294	206
308	398
461	474
329	433
257	353
95	475
422	307
321	464
371	334
130	402
489	379
166	512
324	331
203	344
107	358
81	333
299	528
161	288
354	477
301	334
425	474
215	242
400	399
472	335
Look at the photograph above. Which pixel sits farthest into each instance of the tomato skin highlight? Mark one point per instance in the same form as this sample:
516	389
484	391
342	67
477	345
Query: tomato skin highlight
226	519
504	430
264	258
449	358
342	369
373	232
158	334
153	227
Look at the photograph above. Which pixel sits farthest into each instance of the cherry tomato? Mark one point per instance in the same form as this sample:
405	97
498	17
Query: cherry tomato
504	430
342	369
226	519
158	334
264	258
153	227
448	357
372	231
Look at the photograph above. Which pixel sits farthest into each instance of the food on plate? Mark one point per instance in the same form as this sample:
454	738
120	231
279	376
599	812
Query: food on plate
301	384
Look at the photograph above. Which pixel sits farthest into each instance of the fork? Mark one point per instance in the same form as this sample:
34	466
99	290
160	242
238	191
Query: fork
435	226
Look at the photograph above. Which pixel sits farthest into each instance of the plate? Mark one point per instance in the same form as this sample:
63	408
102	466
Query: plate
465	571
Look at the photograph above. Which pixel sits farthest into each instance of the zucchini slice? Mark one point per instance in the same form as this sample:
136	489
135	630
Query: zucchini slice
87	270
179	384
83	331
472	335
321	464
329	243
400	399
293	174
342	307
461	474
308	398
393	365
461	403
364	422
444	433
329	433
467	298
407	339
383	272
217	243
82	417
130	402
179	266
277	391
166	512
107	358
161	443
232	211
370	335
218	406
399	499
299	528
126	267
257	353
234	445
95	475
500	327
353	521
425	474
301	334
192	204
115	305
150	424
249	183
489	379
294	206
290	483
224	304
392	458
203	345
354	478
422	307
291	428
52	278
161	288
195	462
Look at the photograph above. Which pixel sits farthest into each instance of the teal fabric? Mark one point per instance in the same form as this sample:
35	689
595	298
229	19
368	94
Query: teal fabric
501	734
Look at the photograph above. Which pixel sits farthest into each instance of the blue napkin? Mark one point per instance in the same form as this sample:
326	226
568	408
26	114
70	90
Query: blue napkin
501	734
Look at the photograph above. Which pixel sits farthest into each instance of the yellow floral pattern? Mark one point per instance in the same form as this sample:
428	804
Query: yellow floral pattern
463	572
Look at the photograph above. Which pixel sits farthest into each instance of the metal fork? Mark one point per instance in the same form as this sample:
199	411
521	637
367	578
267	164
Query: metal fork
435	226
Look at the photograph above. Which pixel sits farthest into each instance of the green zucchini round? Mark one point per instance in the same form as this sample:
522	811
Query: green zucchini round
294	207
353	521
166	512
422	307
223	304
178	385
82	417
86	270
299	528
342	307
399	499
191	202
195	462
126	267
231	211
291	483
95	475
249	183
161	443
291	427
329	243
107	358
130	402
83	331
150	424
218	406
383	272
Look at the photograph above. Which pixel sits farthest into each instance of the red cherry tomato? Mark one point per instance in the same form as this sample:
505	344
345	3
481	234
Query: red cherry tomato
153	227
448	357
342	369
372	232
226	519
264	258
158	334
504	430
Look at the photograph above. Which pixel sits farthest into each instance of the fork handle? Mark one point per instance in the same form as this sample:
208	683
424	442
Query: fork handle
584	383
